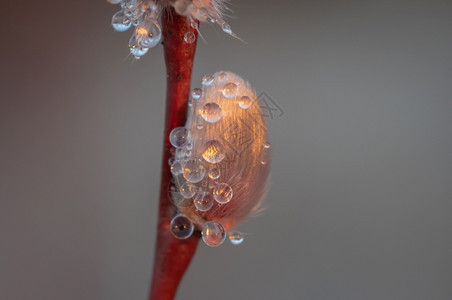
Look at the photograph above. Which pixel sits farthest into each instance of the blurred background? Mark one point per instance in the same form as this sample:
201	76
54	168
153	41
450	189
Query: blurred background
361	193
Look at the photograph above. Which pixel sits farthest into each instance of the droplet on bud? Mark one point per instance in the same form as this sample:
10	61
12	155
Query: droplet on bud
204	201
207	79
214	173
213	234
148	34
196	94
230	90
213	151
179	137
222	193
236	237
181	227
176	168
193	170
135	48
120	22
245	102
187	190
211	112
226	28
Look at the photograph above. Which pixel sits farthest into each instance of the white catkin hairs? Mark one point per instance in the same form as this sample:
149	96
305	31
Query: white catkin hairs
143	17
221	160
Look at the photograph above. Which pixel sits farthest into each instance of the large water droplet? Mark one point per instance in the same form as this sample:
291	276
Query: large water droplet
181	227
236	237
193	170
229	90
226	28
222	193
120	22
179	137
213	151
245	102
204	201
213	234
211	112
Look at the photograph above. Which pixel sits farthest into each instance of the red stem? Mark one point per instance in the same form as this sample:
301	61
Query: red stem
172	256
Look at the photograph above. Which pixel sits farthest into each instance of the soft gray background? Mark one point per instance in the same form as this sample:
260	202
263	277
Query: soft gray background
361	194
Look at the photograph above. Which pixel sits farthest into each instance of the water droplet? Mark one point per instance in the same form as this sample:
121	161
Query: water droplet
120	22
181	227
213	151
267	145
189	37
182	153
245	102
222	76
214	173
176	168
189	146
179	137
204	201
222	193
187	190
211	112
196	94
193	170
148	33
176	198
229	90
171	160
213	234
135	48
226	28
207	79
236	237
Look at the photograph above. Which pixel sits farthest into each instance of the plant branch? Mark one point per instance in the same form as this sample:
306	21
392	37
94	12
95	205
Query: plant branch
172	256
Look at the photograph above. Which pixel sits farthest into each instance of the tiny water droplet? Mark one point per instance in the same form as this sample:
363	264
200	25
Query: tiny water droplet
189	37
214	173
196	94
236	237
187	190
176	168
213	151
193	170
204	201
229	90
120	22
207	79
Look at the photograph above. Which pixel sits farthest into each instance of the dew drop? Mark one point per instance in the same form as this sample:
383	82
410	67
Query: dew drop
176	198
189	37
236	237
120	22
193	170
196	94
204	201
176	168
222	76
229	90
148	34
171	160
207	79
245	102
226	28
135	48
214	173
211	112
222	193
179	137
213	234
181	227
267	145
213	151
187	190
